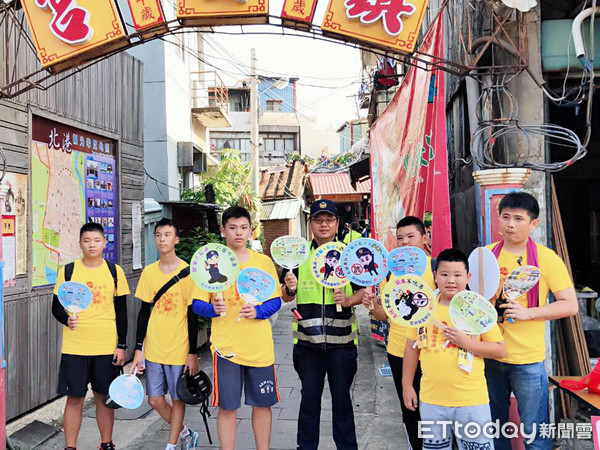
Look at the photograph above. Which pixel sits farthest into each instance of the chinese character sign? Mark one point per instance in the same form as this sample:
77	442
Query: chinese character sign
73	181
63	30
390	13
390	24
299	10
146	14
222	12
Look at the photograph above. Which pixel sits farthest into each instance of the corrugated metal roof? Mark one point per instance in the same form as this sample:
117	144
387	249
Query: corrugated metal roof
282	209
282	182
337	184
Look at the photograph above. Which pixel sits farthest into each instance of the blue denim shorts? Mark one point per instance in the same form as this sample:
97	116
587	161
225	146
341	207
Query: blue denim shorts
259	385
162	379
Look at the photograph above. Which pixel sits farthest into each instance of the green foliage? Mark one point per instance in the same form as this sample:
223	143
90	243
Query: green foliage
231	183
230	179
189	244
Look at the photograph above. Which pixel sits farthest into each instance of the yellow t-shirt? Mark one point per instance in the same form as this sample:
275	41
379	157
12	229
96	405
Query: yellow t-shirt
96	332
525	340
397	334
444	383
248	342
166	339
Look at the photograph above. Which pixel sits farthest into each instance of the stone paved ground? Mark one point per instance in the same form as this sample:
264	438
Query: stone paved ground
376	406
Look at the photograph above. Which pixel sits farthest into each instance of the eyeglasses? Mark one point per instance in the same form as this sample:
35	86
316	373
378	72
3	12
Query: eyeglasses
321	220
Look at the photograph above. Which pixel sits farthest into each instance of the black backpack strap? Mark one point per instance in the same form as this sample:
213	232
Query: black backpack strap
113	271
433	262
69	271
184	273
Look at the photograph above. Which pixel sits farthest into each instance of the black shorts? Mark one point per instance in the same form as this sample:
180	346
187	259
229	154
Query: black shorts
77	371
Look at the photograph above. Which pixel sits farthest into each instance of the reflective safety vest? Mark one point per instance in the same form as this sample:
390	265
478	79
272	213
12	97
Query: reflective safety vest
321	325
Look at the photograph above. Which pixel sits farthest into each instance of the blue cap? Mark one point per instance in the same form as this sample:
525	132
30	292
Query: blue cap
323	206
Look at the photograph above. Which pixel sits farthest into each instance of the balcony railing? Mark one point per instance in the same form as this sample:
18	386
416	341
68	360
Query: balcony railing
208	90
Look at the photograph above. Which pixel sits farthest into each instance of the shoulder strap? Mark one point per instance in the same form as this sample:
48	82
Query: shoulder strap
433	263
113	271
69	271
184	273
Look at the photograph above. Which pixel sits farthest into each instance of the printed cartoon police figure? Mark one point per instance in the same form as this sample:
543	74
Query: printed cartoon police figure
212	265
365	256
406	306
332	259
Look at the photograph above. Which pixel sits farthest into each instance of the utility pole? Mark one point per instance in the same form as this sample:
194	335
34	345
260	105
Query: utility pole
254	159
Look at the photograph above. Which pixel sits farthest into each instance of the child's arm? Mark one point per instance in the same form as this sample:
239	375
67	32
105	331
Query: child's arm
204	309
369	301
485	349
409	367
59	312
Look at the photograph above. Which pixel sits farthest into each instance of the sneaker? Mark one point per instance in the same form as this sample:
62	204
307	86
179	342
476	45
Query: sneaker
107	446
190	441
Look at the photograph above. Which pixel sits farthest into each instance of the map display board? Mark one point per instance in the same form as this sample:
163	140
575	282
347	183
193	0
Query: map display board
73	181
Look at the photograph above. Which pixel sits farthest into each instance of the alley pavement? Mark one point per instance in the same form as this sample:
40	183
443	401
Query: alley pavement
376	406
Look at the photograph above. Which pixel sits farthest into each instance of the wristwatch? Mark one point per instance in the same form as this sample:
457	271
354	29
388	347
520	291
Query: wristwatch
122	346
291	293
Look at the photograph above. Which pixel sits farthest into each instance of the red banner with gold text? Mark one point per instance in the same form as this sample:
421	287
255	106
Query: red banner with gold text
409	167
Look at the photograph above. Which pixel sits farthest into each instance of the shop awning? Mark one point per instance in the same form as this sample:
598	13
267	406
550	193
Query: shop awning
337	187
282	209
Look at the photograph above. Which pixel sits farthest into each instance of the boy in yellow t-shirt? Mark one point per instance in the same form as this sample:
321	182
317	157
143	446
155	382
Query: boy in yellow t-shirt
242	341
452	389
522	370
94	342
410	231
167	332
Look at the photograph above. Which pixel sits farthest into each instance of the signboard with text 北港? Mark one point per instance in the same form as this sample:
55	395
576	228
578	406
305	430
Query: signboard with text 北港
389	25
222	12
73	181
67	33
298	13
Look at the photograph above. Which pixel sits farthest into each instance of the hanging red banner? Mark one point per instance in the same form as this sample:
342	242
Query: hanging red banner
409	167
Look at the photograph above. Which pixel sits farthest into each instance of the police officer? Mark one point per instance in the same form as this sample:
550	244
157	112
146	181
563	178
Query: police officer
325	341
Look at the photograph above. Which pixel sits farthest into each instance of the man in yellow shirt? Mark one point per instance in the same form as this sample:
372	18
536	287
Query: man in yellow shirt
353	233
167	332
94	342
452	390
521	370
242	341
409	232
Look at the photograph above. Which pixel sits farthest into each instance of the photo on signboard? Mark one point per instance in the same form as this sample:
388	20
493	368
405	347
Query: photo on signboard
97	203
111	238
104	221
109	168
90	202
97	184
111	221
103	168
103	185
92	169
109	185
104	205
90	184
110	203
